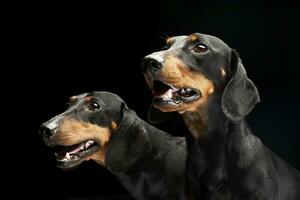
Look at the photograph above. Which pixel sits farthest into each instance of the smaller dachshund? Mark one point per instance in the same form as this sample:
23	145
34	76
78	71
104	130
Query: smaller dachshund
99	126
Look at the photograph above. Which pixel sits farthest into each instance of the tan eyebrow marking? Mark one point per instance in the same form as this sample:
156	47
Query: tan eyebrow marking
72	98
193	38
223	73
170	40
88	98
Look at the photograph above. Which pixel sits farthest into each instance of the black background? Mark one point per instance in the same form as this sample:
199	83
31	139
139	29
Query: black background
63	50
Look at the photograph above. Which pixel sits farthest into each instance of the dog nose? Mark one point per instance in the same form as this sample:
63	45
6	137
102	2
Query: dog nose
46	131
152	63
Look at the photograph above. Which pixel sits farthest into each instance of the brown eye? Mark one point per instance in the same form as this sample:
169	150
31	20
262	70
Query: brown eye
94	106
200	48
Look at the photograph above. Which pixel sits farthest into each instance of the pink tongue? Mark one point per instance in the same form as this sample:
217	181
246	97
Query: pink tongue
76	149
168	94
62	154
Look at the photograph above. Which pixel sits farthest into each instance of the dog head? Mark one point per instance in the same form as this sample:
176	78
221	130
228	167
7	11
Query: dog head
94	126
191	70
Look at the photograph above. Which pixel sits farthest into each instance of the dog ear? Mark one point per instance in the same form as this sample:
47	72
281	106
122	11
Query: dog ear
156	116
240	94
128	144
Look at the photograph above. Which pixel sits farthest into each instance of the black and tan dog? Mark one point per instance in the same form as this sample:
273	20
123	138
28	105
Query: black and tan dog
98	126
204	80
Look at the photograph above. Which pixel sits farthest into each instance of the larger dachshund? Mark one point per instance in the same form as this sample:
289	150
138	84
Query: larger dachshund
204	80
98	126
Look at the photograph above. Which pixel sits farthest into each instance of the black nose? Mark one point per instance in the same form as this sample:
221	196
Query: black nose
151	63
45	131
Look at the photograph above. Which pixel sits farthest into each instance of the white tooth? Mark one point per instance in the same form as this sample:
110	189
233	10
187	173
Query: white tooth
63	160
68	156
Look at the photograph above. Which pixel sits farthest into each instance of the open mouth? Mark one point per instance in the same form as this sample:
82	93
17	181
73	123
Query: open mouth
167	94
71	156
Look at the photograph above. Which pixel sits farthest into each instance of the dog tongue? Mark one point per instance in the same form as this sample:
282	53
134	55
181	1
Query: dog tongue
77	149
68	150
162	90
166	94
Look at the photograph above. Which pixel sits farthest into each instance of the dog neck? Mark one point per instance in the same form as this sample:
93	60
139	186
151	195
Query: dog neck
207	122
128	144
141	160
212	142
209	126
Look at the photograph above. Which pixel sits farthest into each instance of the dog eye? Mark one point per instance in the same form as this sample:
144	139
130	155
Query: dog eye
93	106
200	48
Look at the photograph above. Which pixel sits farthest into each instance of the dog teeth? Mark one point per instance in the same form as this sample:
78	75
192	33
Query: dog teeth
64	159
185	91
88	144
67	156
72	154
182	91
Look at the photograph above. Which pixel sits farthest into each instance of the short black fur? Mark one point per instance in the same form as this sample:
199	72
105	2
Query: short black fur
228	161
149	163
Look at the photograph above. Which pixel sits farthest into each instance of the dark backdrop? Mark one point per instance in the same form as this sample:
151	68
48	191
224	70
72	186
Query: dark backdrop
63	50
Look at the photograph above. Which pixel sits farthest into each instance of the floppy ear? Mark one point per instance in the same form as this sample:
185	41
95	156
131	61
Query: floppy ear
240	94
156	116
128	144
